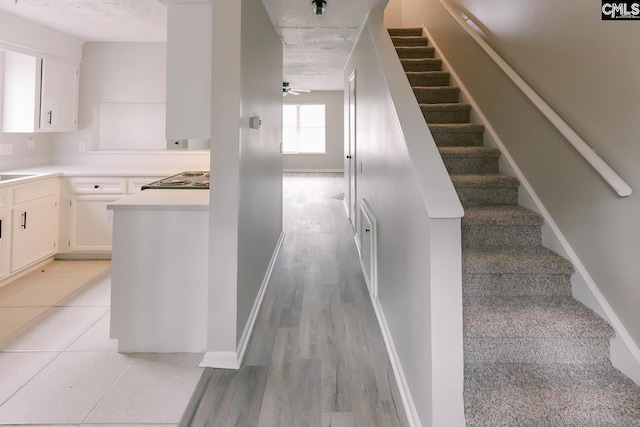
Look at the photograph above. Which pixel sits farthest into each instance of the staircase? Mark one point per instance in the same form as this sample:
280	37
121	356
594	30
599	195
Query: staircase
533	354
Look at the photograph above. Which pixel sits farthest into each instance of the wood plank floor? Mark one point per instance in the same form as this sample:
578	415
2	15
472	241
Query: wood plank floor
316	357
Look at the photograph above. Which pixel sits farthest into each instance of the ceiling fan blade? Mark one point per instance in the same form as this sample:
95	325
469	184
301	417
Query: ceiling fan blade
302	90
293	92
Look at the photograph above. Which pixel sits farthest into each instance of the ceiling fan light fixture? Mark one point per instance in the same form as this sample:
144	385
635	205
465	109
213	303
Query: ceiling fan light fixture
319	6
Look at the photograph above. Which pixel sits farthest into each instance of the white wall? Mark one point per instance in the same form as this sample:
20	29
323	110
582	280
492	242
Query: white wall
115	73
401	175
246	166
333	160
587	70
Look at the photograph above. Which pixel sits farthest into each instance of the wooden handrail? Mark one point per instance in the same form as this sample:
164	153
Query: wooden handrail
619	186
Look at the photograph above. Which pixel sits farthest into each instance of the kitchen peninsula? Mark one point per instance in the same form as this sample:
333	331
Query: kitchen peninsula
160	270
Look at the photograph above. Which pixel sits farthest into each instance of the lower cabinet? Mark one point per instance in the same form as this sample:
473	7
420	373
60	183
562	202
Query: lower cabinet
5	243
34	232
91	223
85	223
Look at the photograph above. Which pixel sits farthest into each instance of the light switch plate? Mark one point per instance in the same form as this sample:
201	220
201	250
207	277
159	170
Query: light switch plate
6	149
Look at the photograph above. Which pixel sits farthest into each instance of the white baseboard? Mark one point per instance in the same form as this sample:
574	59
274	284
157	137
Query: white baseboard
220	360
248	329
233	359
401	379
625	354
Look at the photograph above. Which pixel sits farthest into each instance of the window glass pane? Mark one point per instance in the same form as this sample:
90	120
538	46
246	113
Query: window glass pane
311	116
312	140
290	140
289	116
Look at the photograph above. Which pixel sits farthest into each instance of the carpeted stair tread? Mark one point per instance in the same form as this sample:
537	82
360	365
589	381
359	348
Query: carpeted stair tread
449	112
421	64
535	260
408	52
428	78
457	134
516	284
501	215
549	395
409	41
436	94
531	317
414	31
469	151
483	181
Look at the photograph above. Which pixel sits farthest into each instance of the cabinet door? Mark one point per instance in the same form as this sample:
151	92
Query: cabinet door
5	232
59	96
34	232
91	224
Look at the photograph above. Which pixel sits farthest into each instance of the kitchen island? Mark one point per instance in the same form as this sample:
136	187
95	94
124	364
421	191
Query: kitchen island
159	275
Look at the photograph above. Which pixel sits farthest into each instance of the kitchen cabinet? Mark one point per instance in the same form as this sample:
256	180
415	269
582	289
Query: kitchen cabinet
59	96
40	94
86	223
5	234
34	217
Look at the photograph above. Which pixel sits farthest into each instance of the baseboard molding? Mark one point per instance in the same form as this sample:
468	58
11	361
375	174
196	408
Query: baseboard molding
220	360
248	330
401	379
625	354
233	359
83	256
313	170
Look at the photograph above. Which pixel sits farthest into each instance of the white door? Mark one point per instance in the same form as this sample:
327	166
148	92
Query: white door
351	198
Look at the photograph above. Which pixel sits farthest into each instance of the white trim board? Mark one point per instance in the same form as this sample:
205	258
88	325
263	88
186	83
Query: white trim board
313	170
625	354
233	359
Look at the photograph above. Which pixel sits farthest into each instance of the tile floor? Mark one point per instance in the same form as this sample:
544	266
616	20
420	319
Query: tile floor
59	366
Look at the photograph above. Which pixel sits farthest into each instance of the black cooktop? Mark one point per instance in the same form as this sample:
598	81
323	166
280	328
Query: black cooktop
188	180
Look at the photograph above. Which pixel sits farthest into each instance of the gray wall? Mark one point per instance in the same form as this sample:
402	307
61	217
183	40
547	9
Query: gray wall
587	70
246	165
333	160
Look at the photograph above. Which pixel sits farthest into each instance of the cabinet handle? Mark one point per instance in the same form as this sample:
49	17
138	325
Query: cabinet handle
50	113
24	220
0	229
96	186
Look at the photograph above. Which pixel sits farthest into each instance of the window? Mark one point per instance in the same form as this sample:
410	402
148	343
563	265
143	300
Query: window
303	128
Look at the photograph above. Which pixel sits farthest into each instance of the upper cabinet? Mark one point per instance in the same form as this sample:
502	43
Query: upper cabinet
39	95
188	70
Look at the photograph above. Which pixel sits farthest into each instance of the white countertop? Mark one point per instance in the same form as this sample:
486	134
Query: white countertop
164	200
95	170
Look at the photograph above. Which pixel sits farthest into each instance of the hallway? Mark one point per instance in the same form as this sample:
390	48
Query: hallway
316	357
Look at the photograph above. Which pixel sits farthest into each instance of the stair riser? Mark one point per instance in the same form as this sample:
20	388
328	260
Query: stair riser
470	165
416	52
516	284
500	236
444	116
427	80
422	65
458	139
475	196
536	350
410	41
436	95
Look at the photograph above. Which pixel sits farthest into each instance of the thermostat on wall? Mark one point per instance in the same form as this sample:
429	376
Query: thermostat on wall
256	123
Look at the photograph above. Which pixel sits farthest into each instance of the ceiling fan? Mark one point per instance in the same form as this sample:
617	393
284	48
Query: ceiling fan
286	90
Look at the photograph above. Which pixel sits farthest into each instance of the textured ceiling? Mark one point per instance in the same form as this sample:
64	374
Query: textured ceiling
316	48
